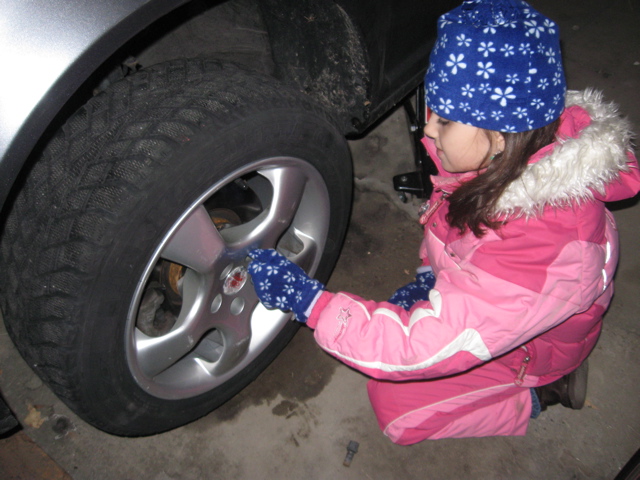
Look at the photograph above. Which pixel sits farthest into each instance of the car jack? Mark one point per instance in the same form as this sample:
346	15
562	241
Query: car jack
416	183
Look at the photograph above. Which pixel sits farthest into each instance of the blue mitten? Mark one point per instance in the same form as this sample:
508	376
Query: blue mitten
416	291
282	284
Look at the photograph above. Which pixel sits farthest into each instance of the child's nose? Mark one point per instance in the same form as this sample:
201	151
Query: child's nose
429	129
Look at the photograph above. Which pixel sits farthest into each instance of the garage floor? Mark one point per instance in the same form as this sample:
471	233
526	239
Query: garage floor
296	419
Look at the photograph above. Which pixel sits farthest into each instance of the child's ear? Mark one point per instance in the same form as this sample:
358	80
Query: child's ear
498	141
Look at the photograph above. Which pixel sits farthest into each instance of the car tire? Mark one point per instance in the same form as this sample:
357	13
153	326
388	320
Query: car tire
125	249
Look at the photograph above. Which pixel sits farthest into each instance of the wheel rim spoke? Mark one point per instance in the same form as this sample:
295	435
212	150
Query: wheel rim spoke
309	254
196	243
233	324
288	185
156	354
236	336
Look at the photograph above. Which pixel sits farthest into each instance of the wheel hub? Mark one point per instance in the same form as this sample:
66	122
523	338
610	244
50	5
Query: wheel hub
235	280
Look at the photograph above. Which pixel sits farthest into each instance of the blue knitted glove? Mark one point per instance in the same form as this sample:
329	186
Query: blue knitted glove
282	284
413	292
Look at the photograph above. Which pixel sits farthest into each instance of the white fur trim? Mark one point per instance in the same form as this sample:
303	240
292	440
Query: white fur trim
577	166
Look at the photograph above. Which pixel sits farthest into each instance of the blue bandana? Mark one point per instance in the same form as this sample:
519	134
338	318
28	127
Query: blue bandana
496	65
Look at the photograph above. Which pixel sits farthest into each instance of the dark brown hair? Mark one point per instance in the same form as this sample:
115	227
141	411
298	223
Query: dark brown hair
472	205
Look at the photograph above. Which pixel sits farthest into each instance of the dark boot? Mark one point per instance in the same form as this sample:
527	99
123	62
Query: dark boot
570	390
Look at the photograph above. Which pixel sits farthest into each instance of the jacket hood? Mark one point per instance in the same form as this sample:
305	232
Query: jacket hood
590	154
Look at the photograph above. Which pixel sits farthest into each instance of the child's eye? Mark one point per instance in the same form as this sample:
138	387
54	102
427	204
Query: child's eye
442	121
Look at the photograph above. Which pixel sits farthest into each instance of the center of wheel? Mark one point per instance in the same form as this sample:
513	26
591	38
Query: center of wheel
235	280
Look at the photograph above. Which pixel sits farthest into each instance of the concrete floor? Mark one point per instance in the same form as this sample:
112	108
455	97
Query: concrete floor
296	419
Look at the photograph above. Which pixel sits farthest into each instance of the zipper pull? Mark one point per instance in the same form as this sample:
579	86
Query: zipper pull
427	210
522	371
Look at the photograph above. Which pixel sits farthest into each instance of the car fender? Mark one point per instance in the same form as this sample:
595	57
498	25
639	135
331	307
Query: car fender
49	49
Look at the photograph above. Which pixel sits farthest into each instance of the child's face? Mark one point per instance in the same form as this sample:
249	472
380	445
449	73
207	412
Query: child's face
462	148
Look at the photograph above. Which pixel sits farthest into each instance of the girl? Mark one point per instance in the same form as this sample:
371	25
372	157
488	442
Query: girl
517	240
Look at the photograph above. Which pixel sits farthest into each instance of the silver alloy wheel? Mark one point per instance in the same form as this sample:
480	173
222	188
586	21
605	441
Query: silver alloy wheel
221	327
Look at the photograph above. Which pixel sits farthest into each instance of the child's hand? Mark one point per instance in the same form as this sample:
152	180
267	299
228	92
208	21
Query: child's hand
282	284
416	291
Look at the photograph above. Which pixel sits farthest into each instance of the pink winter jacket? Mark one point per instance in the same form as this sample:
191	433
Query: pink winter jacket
531	294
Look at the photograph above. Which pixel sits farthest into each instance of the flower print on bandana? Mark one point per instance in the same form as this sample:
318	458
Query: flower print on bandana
533	28
446	106
443	41
551	114
557	78
444	22
467	91
463	40
486	48
478	115
520	112
551	55
508	50
524	48
456	61
537	103
550	26
512	78
503	96
496	66
485	70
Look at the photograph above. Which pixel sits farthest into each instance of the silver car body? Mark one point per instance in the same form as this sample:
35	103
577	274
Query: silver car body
47	50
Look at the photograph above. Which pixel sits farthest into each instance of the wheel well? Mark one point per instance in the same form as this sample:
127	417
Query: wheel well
328	62
313	46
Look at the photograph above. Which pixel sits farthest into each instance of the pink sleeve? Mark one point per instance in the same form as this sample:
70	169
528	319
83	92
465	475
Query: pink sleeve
472	315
